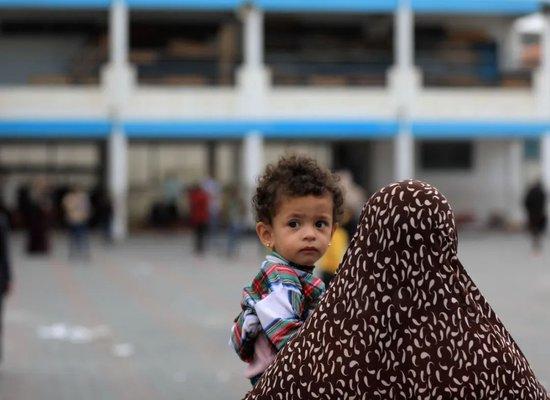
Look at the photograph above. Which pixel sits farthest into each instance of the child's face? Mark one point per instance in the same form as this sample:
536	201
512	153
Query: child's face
301	229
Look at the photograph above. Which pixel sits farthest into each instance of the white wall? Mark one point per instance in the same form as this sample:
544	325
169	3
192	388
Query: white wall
52	102
496	103
330	103
484	190
181	103
222	103
382	162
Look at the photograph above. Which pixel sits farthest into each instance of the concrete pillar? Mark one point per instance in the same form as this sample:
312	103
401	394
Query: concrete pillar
404	153
118	80
118	182
253	80
543	94
253	164
515	189
404	82
404	35
253	20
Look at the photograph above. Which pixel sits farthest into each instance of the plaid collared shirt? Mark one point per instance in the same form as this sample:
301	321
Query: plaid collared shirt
277	302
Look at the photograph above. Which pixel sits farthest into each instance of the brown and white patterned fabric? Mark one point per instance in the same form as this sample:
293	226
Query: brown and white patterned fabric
402	320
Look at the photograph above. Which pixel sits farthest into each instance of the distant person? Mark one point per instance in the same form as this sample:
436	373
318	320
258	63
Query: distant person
38	218
234	213
105	216
198	214
535	205
214	191
402	319
76	205
297	205
5	270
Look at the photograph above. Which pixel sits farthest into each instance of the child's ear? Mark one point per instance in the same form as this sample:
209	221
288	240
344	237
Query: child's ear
263	231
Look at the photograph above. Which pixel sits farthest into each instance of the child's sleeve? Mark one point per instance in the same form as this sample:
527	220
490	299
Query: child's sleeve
280	312
245	328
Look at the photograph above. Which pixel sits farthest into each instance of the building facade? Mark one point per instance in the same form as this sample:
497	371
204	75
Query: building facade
390	89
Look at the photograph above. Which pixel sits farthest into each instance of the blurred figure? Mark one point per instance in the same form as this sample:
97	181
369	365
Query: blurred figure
329	263
37	218
213	189
198	214
5	269
76	205
234	213
104	212
535	205
354	198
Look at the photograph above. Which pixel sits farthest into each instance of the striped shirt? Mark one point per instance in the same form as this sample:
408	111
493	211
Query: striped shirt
278	301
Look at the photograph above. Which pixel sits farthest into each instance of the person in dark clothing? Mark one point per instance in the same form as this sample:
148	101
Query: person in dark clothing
5	272
535	205
198	210
37	218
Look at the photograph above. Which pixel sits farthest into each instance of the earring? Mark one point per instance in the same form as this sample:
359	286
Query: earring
329	243
268	245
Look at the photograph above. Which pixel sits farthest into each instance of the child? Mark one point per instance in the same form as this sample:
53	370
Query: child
297	206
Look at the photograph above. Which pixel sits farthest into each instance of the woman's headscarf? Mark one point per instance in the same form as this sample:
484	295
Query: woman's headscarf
402	320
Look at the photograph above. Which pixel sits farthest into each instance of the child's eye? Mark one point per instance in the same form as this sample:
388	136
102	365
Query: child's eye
321	224
293	224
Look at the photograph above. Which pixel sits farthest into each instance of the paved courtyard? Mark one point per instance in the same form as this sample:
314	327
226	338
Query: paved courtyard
148	320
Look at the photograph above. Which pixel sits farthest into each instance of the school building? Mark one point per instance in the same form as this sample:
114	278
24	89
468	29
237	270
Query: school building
129	92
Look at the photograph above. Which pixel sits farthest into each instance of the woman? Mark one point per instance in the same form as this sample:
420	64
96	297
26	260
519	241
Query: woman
402	319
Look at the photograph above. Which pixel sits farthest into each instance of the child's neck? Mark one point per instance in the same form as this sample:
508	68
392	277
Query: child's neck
306	268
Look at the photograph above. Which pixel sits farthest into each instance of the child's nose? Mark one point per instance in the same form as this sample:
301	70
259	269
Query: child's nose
309	232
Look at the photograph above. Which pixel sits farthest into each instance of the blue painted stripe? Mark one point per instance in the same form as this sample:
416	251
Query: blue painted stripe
218	5
55	3
327	5
288	129
512	7
271	129
478	129
508	7
47	129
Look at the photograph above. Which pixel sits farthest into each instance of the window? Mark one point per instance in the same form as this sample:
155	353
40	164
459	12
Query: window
447	155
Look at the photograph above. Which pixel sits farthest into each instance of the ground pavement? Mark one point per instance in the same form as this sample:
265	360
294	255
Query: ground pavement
148	320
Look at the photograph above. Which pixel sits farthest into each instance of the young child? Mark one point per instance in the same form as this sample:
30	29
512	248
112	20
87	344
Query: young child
297	207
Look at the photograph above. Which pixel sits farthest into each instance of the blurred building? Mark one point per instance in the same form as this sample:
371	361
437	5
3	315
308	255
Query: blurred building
126	93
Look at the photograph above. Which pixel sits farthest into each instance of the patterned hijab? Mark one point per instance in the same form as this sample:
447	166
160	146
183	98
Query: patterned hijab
402	319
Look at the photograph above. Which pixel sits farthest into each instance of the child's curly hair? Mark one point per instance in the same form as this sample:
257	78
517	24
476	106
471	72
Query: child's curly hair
295	176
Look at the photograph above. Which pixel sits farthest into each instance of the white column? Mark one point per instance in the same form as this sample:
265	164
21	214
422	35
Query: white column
404	153
543	92
253	80
118	79
253	164
118	35
404	81
118	182
515	189
404	35
253	20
